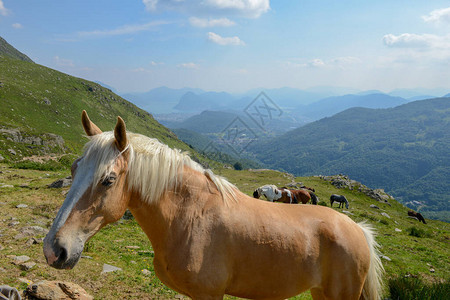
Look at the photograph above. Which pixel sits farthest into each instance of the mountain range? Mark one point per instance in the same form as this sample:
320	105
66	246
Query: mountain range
405	150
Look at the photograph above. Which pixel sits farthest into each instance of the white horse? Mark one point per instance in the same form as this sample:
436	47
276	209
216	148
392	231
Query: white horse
273	193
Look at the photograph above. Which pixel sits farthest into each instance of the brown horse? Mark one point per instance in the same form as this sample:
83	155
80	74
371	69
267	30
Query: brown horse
308	188
209	238
302	195
417	215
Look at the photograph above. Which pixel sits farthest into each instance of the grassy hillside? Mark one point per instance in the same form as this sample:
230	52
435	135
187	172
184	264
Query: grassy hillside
425	254
37	100
405	150
7	50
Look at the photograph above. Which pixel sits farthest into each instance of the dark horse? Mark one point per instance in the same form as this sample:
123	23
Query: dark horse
417	215
339	198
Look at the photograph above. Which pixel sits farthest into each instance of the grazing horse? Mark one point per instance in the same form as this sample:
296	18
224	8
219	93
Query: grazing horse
339	198
308	188
417	215
274	194
210	239
302	196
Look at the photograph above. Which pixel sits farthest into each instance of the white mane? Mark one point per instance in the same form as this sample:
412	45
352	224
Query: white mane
153	167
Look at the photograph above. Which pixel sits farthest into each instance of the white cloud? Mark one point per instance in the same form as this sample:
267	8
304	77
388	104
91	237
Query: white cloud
224	41
17	26
418	41
126	29
438	16
222	22
339	62
3	10
242	8
189	65
249	8
62	62
154	63
150	4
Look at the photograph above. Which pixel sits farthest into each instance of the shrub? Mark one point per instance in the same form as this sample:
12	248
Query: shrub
50	165
238	166
323	203
418	232
412	288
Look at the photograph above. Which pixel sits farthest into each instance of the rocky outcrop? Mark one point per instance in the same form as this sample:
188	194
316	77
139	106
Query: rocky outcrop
48	140
344	182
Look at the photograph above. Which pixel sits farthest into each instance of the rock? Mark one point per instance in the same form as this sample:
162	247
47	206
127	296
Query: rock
374	206
385	257
27	265
21	206
386	215
6	186
432	270
17	260
1	157
61	182
34	241
398	230
12	151
146	272
132	247
109	268
56	290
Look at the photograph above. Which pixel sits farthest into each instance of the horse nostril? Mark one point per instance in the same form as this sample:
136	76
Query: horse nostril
62	255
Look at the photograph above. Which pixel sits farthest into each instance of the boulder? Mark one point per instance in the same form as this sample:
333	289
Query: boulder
60	183
56	290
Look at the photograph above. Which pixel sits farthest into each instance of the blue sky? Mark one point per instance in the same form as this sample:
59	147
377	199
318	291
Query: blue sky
236	45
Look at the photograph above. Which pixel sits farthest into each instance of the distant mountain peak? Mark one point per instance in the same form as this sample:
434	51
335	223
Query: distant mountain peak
7	50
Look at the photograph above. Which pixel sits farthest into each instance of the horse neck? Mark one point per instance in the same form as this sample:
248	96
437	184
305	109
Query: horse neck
176	208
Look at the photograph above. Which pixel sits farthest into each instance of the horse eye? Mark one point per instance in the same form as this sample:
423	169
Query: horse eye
109	180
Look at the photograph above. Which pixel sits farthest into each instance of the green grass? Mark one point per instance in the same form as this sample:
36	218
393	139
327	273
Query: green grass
408	254
37	100
413	288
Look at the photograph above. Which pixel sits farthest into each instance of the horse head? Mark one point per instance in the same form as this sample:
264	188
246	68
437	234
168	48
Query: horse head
97	197
256	194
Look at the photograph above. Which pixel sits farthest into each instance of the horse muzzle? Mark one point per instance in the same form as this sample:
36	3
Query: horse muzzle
60	254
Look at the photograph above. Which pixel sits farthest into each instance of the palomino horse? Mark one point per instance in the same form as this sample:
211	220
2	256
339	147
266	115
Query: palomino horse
274	194
339	198
210	239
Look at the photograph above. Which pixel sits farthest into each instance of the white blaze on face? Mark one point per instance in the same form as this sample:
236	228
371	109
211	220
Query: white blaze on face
83	180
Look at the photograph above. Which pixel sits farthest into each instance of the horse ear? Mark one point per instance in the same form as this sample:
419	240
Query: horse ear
89	127
120	133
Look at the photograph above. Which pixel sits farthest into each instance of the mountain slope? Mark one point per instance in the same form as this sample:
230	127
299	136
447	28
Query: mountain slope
36	100
333	105
7	50
385	148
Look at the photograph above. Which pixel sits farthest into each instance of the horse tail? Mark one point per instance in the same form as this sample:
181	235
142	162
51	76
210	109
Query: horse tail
314	198
373	286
